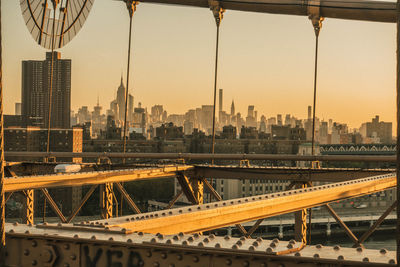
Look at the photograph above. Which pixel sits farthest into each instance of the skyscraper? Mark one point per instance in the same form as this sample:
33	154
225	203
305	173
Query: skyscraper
36	88
309	113
233	109
220	100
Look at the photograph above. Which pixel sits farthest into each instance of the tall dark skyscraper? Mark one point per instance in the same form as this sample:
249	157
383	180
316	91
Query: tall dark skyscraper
36	88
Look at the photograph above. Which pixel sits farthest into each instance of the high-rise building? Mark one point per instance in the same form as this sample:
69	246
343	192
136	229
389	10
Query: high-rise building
18	108
233	109
220	103
309	113
36	88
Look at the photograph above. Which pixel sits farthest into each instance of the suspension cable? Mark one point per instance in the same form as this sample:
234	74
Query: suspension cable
51	76
131	5
317	24
2	192
215	92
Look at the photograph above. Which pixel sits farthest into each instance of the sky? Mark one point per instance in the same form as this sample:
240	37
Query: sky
265	60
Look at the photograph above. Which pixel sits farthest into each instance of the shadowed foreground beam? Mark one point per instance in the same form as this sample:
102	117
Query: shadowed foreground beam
225	213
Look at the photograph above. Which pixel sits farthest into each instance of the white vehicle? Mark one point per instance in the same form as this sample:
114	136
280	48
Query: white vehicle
67	168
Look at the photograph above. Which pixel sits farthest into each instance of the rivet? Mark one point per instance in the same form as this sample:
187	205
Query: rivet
359	249
239	243
11	231
163	255
336	247
235	247
273	245
195	259
243	238
179	257
129	240
171	265
259	239
191	239
255	243
290	246
26	252
252	248
27	232
93	237
45	223
153	240
156	264
263	265
392	261
275	240
66	246
59	224
340	257
297	254
318	246
246	264
228	262
66	264
15	224
34	262
176	238
181	234
196	235
201	244
185	243
169	241
218	245
269	250
206	240
34	243
148	254
316	255
73	257
160	236
111	239
212	236
383	251
227	237
366	259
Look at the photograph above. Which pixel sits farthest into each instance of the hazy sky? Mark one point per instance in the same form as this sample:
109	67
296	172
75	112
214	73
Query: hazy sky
265	60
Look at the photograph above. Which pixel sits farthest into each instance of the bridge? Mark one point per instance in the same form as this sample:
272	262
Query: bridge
180	236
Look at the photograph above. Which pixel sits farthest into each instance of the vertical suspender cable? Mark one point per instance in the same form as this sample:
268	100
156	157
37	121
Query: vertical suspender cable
317	24
50	92
51	77
217	12
131	5
398	133
2	197
215	91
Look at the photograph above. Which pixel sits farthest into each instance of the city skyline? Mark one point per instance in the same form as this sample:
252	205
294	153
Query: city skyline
353	73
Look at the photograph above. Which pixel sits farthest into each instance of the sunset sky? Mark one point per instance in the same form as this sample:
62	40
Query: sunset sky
265	60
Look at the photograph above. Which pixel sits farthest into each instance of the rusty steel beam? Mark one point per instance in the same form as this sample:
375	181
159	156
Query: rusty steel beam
342	224
53	205
125	195
376	224
29	206
83	201
286	173
218	197
205	156
91	178
172	202
187	188
254	228
225	213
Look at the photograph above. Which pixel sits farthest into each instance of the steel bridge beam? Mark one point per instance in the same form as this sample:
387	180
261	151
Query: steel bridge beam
286	173
201	156
225	213
78	179
377	11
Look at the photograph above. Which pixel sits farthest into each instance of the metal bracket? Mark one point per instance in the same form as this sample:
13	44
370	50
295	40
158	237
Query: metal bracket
314	14
217	11
131	5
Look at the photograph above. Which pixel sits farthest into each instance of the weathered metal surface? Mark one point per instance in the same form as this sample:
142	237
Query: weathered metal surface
102	177
285	173
67	245
204	217
205	156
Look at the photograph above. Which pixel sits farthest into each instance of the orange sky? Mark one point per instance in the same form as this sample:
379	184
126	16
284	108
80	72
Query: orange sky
265	60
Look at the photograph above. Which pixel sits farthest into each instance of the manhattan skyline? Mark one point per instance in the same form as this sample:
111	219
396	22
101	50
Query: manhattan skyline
173	61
